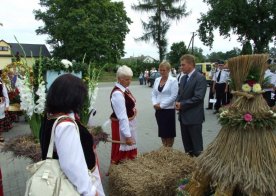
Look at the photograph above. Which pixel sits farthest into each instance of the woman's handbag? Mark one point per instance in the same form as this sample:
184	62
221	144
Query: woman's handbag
47	177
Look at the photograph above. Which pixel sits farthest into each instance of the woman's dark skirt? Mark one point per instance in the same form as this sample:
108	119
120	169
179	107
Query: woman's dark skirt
6	123
166	123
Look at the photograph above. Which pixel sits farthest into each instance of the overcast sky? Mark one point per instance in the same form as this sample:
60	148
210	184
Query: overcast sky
18	20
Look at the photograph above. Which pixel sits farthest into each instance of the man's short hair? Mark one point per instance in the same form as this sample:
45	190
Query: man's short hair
189	58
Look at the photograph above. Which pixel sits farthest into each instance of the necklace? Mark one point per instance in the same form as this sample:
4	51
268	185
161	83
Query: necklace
162	82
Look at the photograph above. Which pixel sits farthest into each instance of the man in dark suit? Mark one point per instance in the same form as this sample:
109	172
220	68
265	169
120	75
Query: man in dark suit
190	103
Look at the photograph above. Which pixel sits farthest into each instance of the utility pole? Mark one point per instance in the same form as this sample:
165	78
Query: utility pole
192	42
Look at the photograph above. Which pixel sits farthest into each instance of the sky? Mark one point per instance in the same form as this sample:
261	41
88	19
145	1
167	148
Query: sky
18	21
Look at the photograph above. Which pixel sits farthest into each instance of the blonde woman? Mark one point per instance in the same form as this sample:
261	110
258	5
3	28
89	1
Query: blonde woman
163	97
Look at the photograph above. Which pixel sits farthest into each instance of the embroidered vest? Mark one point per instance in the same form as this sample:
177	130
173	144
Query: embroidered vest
85	137
1	90
129	102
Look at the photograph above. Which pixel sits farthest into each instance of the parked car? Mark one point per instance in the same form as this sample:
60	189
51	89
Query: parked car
205	69
152	78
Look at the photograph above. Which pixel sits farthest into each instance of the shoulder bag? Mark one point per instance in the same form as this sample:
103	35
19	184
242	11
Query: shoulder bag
47	177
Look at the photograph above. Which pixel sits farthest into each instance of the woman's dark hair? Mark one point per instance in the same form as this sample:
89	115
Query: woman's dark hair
66	94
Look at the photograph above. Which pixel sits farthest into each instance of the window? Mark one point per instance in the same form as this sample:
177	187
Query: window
199	67
4	48
208	67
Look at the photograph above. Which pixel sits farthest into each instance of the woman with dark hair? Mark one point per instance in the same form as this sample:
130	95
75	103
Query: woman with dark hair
73	150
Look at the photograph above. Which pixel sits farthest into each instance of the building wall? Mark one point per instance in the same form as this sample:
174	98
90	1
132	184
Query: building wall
4	61
3	44
6	57
7	60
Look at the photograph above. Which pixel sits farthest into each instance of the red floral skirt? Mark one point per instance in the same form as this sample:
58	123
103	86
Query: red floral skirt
116	154
6	123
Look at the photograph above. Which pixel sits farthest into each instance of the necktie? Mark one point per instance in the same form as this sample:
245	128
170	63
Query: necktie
218	78
185	80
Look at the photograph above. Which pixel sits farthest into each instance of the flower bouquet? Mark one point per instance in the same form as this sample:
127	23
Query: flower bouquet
180	191
32	97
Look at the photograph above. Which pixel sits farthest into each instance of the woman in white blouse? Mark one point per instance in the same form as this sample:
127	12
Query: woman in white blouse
123	118
5	119
163	97
73	149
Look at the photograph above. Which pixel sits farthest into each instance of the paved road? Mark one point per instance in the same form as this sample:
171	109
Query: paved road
13	169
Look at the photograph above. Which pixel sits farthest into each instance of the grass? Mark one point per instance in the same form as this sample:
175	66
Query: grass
110	77
107	77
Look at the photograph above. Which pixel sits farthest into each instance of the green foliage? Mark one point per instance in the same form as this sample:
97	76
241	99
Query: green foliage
250	20
137	65
177	50
235	118
107	76
198	53
215	56
77	27
90	75
35	123
232	53
159	23
246	48
254	74
180	191
55	64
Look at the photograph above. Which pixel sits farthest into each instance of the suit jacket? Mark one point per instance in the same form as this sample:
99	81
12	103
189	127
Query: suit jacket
191	98
167	97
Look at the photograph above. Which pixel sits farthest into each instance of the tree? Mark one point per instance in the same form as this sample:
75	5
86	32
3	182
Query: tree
250	19
232	53
96	29
159	23
177	50
215	56
198	53
246	48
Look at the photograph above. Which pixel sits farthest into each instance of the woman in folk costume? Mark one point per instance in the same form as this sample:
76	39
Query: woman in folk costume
5	124
73	149
123	121
5	119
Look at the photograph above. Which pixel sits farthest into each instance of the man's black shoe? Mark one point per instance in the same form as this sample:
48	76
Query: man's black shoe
208	108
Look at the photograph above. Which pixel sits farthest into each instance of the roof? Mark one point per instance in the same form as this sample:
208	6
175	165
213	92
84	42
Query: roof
3	41
31	50
144	59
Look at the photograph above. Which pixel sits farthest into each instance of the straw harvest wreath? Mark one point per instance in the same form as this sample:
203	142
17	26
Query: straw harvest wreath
233	116
243	155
